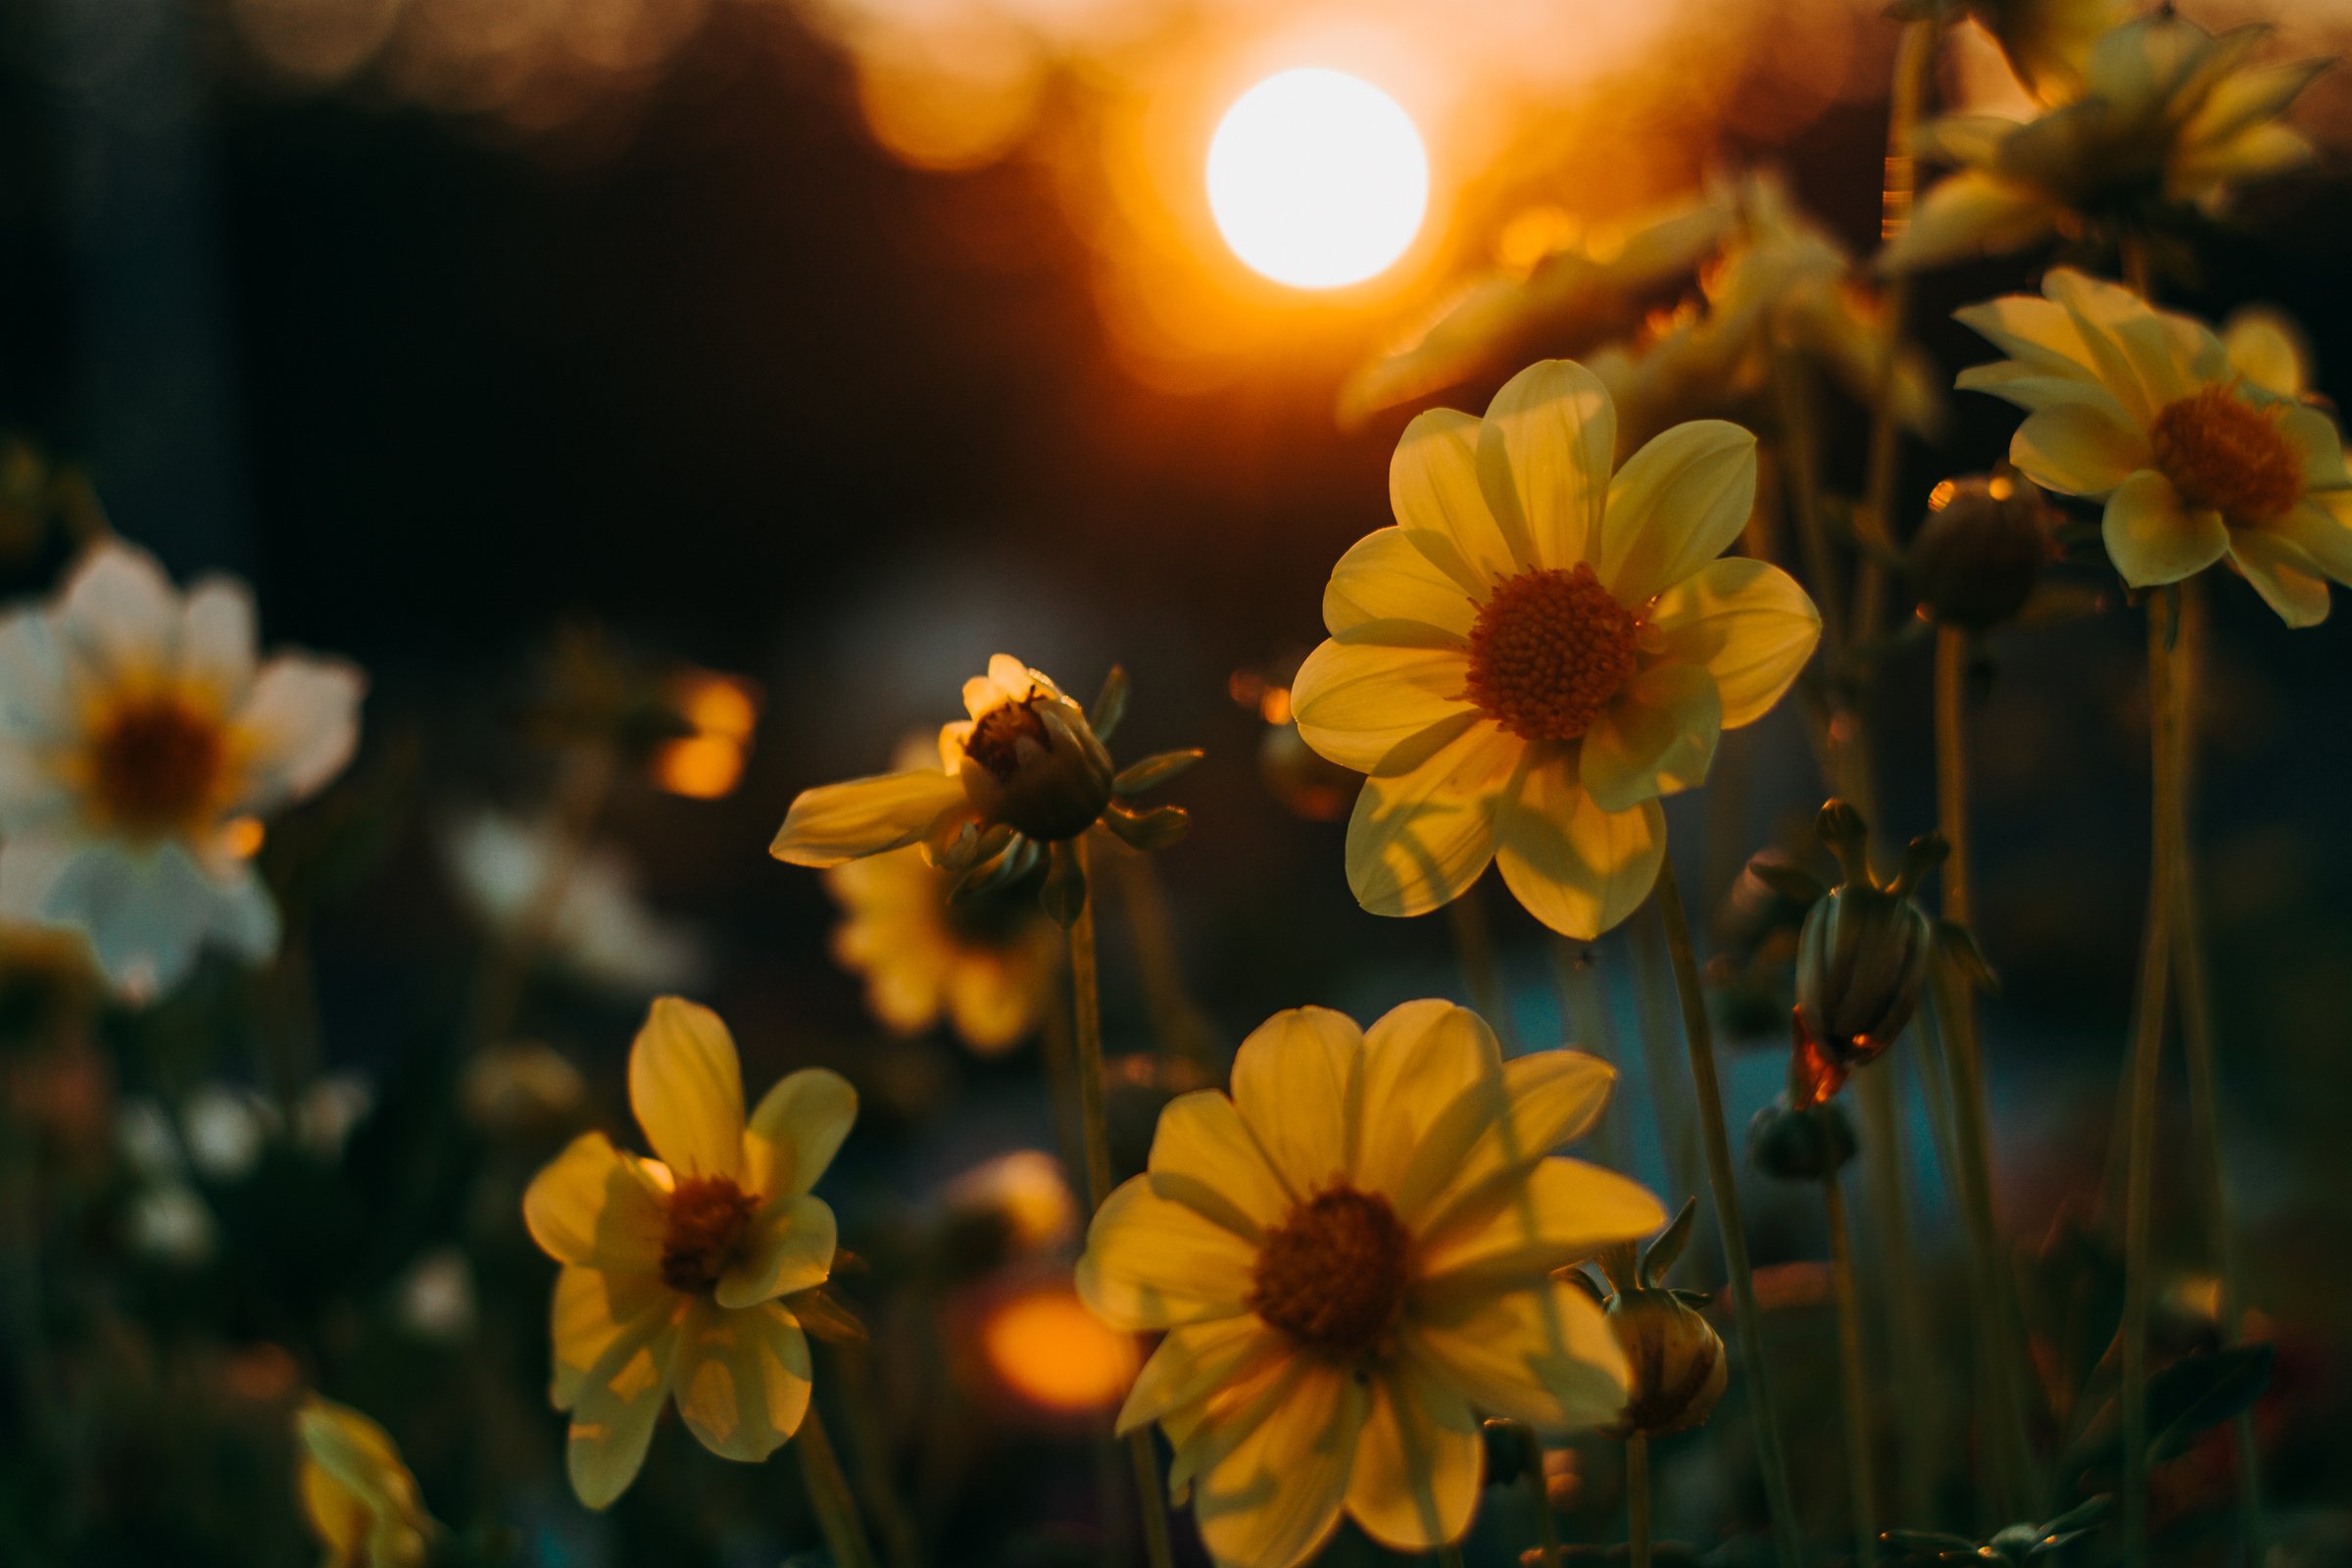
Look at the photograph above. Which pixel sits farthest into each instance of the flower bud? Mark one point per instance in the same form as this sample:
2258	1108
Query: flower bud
1800	1142
1977	557
1034	764
1860	962
1679	1369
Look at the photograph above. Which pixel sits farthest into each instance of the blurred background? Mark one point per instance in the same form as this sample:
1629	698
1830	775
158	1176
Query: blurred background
829	347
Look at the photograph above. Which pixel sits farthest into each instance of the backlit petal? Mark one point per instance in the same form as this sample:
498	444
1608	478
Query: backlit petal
1419	1463
1577	868
795	1131
593	1309
686	1086
742	1379
1384	579
2078	448
2152	537
593	1205
1483	1144
1435	494
1417	839
1743	622
297	728
1204	1157
788	1248
2277	572
1564	1212
1266	1493
1291	1082
1417	1058
1657	737
1970	214
612	1420
1152	1263
1544	457
1196	1361
1357	703
1675	506
1542	1357
837	822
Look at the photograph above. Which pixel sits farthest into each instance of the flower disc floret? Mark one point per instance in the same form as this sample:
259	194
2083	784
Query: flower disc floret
156	766
2222	452
707	1220
1333	1274
1549	651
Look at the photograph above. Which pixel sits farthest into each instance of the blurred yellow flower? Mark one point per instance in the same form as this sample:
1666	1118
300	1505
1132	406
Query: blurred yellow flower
360	1500
986	961
2168	116
674	1268
2047	42
140	743
1353	1261
2199	455
1538	651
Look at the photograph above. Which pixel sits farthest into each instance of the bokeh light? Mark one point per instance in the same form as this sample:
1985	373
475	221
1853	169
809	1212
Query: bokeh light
1317	178
1046	1349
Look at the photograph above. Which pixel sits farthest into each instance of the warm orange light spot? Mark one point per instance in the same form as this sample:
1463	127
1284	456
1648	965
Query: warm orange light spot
1027	1189
720	705
1046	1348
241	837
702	767
1275	705
1942	495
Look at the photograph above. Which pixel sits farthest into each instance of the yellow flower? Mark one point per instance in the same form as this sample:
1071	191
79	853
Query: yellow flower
1538	651
986	961
141	740
2047	42
2168	116
1353	1261
674	1268
2200	457
360	1500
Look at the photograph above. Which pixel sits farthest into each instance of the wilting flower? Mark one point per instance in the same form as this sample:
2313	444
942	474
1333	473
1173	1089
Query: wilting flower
360	1500
2168	117
1352	1258
2196	460
1536	651
597	926
1016	785
140	742
676	1268
985	960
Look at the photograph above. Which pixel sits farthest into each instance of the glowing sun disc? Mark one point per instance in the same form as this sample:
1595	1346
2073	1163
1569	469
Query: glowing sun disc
1317	178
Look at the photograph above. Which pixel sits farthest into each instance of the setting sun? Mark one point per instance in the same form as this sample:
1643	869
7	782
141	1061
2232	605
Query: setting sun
1317	178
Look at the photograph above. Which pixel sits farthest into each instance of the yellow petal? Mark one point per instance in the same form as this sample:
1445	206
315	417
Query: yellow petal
795	1131
2268	350
1544	457
1204	1157
2277	573
2033	387
593	1311
1417	839
742	1379
1194	1362
1543	1356
1152	1263
1675	506
1433	492
1291	1082
1488	1136
612	1420
1564	1212
686	1086
2078	448
1657	737
2040	332
1419	1463
2319	446
1970	214
1385	580
1357	703
2152	537
2319	529
1743	622
1577	868
594	1205
1269	1484
837	822
789	1247
1417	1058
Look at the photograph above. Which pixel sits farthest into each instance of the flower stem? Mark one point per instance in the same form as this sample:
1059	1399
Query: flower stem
1861	1441
1723	1179
1482	972
1637	1497
2166	836
1547	1528
1182	1033
1586	1023
1086	1011
1451	1556
829	1495
1792	391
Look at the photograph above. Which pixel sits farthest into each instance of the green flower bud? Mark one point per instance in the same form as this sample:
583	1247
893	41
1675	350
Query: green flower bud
1800	1143
1862	959
1036	765
1679	1368
1976	558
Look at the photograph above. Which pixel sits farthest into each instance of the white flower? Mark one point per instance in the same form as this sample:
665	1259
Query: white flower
599	930
140	742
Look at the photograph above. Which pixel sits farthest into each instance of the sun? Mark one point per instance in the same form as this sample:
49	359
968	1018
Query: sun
1317	178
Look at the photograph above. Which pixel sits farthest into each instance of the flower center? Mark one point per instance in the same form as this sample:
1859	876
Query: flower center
996	737
2223	452
155	764
1332	1274
708	1217
1549	651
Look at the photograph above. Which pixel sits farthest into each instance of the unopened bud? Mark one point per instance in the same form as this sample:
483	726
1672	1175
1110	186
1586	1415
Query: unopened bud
1677	1360
1800	1142
1036	765
1983	549
1861	961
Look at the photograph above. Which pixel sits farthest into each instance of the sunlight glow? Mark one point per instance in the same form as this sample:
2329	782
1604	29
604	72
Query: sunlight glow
1048	1349
1317	178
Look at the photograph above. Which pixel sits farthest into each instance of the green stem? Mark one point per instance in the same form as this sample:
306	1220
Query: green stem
1861	1441
1722	1178
1910	1321
829	1495
1547	1528
2147	1060
1792	392
1636	1496
1653	1010
1086	1012
1586	1023
1451	1556
1482	972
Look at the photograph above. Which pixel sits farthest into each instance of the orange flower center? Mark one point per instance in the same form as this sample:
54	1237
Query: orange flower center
2223	452
156	766
708	1217
996	738
1332	1275
1549	651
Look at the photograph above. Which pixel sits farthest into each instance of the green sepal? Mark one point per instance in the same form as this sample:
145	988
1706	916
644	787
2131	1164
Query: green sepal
1662	1255
1154	771
1110	704
1154	829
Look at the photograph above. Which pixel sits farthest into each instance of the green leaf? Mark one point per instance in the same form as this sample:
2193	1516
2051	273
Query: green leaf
1110	704
1154	771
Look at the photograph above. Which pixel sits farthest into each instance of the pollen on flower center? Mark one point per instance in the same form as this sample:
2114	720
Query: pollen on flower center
707	1218
2222	452
996	736
154	765
1332	1275
1549	649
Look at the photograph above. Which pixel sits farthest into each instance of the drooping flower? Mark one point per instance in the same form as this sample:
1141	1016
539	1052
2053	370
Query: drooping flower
1353	1261
140	744
2198	459
598	928
986	961
1538	651
678	1270
360	1500
1017	786
2169	118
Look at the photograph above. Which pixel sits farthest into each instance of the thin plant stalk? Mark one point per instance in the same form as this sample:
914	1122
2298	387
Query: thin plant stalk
1654	1010
1584	1020
1182	1033
829	1495
1482	971
1861	1441
1451	1556
1700	1035
1793	394
1637	1497
1910	1321
2147	1059
1547	1528
1086	1012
